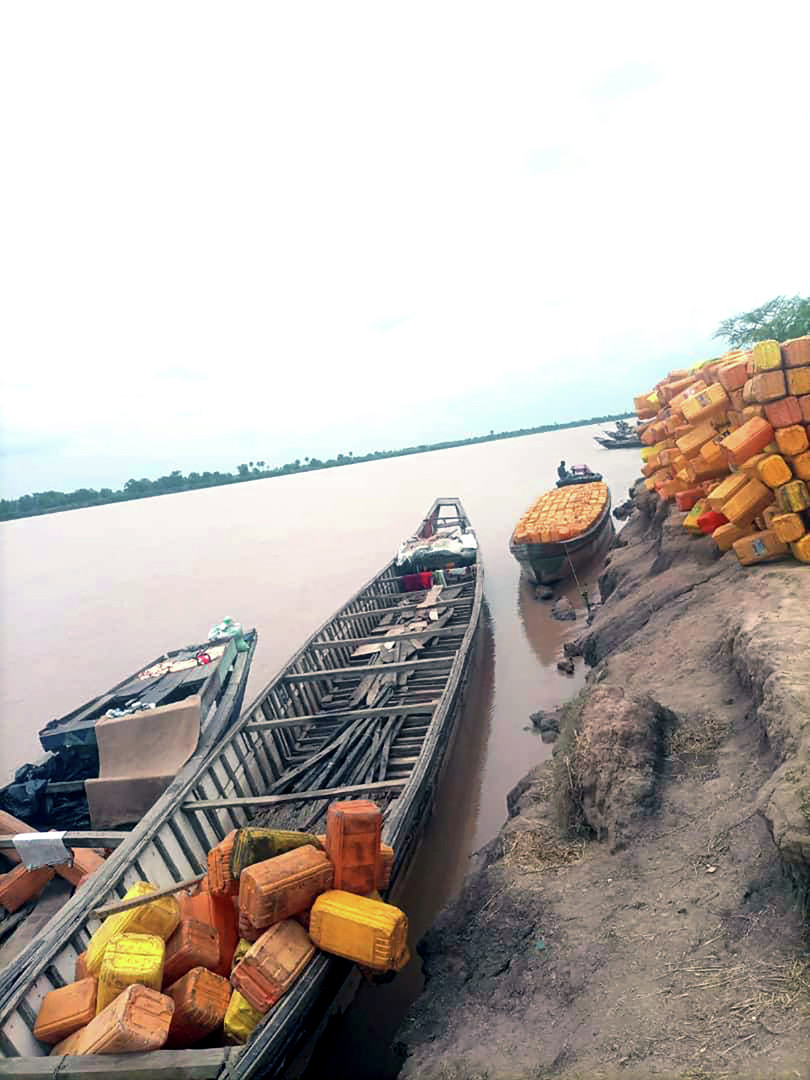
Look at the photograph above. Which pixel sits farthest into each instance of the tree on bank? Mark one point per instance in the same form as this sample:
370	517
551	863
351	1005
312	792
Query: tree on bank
779	319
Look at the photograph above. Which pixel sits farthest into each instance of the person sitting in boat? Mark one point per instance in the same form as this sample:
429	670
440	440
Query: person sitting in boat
562	472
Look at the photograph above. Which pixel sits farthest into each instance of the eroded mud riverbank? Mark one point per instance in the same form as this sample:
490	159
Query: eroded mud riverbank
644	910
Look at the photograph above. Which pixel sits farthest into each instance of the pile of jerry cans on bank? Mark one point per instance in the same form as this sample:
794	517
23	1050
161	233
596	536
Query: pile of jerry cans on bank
728	441
182	968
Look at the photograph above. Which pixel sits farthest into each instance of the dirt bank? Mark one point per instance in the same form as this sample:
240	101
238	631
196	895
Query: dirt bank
644	910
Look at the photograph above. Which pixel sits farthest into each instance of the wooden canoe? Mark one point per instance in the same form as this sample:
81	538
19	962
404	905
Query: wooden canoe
356	711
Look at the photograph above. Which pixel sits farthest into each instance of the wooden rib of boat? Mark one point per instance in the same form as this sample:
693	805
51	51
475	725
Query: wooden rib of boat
545	562
367	706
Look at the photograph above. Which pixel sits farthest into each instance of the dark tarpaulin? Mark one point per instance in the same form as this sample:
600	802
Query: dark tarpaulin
27	797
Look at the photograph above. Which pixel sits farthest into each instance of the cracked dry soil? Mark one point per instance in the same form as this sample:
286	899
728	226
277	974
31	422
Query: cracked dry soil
643	912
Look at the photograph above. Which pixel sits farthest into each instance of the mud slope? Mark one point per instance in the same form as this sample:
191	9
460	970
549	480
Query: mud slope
643	911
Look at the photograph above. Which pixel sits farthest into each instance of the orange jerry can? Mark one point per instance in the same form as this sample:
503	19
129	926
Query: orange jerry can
733	374
218	911
749	502
800	549
760	547
727	535
748	440
220	878
353	831
19	885
774	471
784	412
796	352
798	381
138	1019
788	527
280	887
65	1010
200	1002
801	466
685	500
792	440
193	944
764	387
270	967
725	490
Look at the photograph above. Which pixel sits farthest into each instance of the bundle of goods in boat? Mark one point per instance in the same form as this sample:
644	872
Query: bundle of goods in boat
175	970
729	442
445	549
561	514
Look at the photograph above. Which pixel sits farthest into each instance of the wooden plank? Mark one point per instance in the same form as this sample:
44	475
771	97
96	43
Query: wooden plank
346	714
293	796
167	1064
79	839
139	901
385	639
405	610
367	669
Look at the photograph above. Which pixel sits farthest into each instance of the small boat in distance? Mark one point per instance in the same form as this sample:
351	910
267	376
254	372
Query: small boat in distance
624	436
562	531
578	474
367	707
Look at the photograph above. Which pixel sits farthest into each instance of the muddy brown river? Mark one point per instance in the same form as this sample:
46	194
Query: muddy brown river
90	595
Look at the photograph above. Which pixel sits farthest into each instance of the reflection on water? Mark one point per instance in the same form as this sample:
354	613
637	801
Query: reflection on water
359	1045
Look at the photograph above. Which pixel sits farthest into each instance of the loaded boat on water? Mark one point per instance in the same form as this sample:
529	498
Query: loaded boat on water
562	531
367	707
624	436
109	761
577	474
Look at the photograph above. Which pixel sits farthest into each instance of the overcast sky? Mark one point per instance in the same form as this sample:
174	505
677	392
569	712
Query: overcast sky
264	231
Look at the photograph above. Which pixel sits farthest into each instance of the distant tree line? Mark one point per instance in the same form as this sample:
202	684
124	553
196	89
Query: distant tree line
51	502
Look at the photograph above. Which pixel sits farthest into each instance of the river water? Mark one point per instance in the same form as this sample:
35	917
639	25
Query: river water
91	595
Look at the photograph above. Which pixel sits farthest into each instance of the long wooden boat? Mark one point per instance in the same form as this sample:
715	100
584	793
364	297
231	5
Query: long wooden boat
368	706
546	556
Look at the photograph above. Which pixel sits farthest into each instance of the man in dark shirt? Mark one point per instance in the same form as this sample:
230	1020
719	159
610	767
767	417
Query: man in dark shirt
562	472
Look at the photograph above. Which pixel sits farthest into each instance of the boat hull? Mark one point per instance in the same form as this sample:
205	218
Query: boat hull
545	564
572	481
619	444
